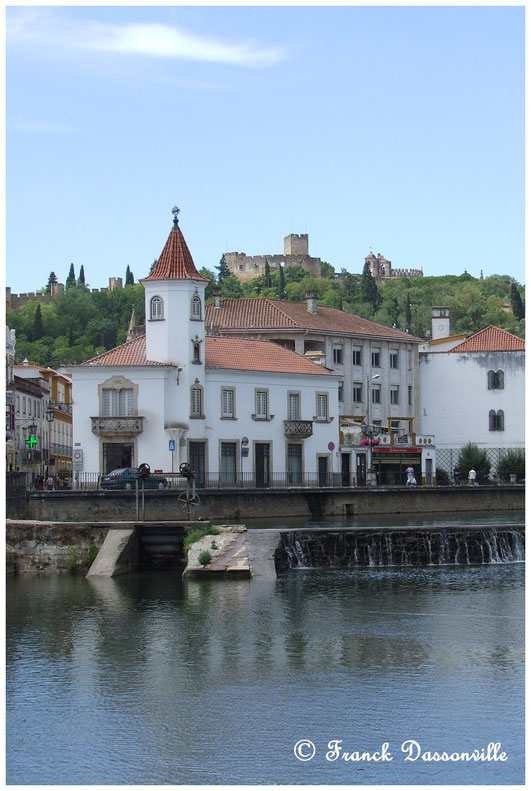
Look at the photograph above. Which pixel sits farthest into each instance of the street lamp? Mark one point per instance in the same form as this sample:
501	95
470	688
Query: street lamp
50	411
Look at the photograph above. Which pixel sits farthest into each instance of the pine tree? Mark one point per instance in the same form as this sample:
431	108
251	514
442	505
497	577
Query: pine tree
71	335
129	277
52	278
516	302
38	328
223	269
267	274
408	313
281	292
369	292
81	279
71	279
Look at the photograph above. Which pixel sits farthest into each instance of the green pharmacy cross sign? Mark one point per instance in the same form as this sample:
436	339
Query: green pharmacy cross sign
31	442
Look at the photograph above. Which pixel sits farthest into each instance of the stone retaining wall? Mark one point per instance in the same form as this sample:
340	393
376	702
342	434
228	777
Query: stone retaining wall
47	546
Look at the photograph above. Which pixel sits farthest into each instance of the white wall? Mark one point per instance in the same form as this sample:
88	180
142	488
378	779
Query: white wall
455	399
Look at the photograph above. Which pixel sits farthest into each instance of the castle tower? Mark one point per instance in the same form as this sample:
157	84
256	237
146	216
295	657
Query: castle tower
175	309
296	244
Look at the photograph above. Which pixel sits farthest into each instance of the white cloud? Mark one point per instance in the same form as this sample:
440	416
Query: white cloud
47	28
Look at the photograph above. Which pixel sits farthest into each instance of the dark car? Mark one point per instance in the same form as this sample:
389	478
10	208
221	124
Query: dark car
126	477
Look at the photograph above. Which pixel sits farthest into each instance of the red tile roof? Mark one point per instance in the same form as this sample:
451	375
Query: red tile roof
491	339
242	354
270	314
129	353
175	262
238	354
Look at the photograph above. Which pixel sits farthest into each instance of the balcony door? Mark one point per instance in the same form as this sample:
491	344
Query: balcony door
261	463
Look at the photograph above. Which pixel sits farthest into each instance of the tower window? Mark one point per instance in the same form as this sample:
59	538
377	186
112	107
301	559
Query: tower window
157	309
196	313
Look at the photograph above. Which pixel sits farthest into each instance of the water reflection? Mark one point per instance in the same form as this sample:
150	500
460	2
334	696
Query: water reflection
149	679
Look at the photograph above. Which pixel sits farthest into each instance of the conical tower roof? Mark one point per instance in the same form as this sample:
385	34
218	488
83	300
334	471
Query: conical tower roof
175	262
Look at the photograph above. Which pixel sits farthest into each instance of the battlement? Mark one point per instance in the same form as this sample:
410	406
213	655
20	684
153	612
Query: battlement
382	269
246	267
16	301
296	244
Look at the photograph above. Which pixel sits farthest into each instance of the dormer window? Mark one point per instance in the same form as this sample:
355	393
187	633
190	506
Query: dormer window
157	309
196	312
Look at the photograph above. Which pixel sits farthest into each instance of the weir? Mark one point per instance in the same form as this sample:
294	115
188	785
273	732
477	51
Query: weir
412	546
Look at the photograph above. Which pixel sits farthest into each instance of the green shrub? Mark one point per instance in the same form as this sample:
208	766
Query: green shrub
204	557
72	559
213	545
512	462
193	534
443	479
92	551
473	457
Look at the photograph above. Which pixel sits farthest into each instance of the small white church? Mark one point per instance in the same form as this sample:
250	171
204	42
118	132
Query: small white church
236	410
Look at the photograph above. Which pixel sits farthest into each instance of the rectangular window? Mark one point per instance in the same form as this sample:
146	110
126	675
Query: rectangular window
357	391
394	394
375	358
409	395
321	412
340	392
23	405
393	358
261	406
227	402
375	394
117	403
356	355
394	426
294	409
338	355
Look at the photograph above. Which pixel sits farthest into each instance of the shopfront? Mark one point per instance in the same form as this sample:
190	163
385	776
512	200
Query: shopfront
391	463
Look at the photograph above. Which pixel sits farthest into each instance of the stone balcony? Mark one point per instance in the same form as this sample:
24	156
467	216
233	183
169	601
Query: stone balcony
117	426
298	429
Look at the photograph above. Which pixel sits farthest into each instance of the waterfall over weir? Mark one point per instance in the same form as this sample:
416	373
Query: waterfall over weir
413	546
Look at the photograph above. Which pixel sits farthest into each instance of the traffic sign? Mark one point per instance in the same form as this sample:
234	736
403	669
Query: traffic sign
171	445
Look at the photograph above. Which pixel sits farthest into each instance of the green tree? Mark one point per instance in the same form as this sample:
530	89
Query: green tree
71	279
267	274
327	270
81	278
516	302
129	277
52	278
223	269
152	267
407	313
512	463
231	287
473	457
281	284
212	281
369	293
38	329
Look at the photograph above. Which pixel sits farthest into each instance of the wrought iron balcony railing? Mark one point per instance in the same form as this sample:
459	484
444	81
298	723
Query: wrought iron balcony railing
298	428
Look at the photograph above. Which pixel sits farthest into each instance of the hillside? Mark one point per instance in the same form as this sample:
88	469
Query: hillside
79	324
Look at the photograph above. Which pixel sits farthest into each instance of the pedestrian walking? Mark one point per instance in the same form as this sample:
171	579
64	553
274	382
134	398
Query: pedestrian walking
457	476
472	477
411	481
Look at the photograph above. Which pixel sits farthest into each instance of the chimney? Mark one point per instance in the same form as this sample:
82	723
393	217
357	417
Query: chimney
216	293
311	301
440	323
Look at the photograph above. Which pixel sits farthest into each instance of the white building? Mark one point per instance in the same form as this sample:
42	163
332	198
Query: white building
231	407
472	389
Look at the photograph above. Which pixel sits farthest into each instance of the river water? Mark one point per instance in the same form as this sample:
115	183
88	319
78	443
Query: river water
145	679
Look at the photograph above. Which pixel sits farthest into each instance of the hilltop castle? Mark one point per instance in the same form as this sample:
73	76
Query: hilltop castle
245	267
381	268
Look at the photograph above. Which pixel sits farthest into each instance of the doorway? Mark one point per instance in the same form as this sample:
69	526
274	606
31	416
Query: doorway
261	463
322	462
345	469
196	456
361	469
117	455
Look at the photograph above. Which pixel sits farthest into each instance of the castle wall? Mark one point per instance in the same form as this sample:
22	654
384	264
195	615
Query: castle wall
246	267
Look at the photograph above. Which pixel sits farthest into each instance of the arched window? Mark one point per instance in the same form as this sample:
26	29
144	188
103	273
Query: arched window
196	308
196	400
495	380
157	308
492	420
491	380
500	380
500	420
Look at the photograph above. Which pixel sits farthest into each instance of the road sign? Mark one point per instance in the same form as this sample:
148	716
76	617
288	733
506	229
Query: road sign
77	458
171	445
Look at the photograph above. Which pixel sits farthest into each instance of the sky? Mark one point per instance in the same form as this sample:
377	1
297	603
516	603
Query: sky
393	129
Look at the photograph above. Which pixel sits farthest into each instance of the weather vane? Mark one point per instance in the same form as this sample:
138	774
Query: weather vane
175	211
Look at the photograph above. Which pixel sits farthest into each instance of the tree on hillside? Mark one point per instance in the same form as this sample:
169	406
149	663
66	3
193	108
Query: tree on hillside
223	269
327	270
281	284
407	312
267	274
71	279
38	329
152	267
129	277
369	293
231	287
81	278
212	278
52	278
516	302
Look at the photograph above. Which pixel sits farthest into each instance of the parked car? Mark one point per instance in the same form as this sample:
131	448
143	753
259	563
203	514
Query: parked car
125	477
